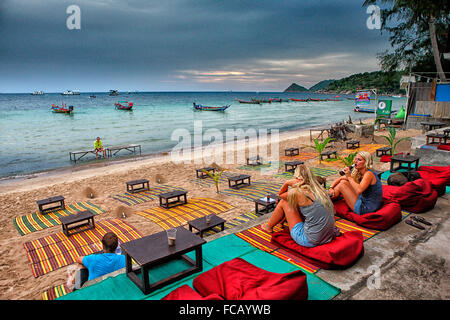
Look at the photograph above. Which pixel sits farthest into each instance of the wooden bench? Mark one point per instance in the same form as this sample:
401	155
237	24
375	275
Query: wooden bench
172	195
239	181
254	161
291	152
143	182
353	144
48	201
382	151
202	174
130	147
292	164
202	226
328	153
81	153
72	222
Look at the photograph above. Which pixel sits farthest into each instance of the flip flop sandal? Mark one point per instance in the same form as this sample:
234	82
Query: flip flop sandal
421	219
414	224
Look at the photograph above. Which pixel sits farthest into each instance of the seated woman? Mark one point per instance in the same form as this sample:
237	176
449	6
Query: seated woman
361	188
315	224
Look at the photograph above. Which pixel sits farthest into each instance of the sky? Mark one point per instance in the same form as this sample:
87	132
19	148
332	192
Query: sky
183	45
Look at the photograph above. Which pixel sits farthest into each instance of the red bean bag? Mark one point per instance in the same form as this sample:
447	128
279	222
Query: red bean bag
444	147
238	279
386	217
340	253
387	158
437	175
415	196
187	293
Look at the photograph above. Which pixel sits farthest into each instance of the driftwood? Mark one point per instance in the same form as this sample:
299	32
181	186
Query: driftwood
339	131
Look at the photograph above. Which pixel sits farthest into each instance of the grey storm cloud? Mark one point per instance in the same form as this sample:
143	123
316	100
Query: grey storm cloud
184	44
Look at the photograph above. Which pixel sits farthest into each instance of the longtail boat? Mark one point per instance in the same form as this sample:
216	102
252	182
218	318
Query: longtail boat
301	100
275	100
359	109
208	108
124	105
311	99
250	102
335	99
62	109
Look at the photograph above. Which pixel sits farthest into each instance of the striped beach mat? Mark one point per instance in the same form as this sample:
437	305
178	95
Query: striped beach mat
256	190
180	215
57	250
35	221
208	181
321	172
144	196
55	292
303	156
243	218
371	148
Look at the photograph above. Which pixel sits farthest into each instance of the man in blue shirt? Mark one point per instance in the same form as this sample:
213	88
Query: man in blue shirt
97	265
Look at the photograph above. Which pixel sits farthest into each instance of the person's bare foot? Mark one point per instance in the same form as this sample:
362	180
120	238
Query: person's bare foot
266	228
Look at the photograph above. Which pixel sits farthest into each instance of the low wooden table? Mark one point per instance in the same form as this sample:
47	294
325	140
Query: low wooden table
403	159
254	161
290	166
353	144
328	153
267	205
153	250
291	152
202	174
48	201
72	222
172	195
239	181
439	136
428	126
382	151
143	182
201	225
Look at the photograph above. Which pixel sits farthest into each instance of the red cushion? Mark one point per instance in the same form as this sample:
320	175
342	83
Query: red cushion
388	215
444	147
387	158
437	175
238	279
341	252
416	196
187	293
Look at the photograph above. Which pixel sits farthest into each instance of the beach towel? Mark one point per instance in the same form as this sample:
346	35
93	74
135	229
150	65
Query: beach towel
238	279
185	292
144	196
57	250
180	215
415	196
35	221
340	253
383	219
438	176
256	190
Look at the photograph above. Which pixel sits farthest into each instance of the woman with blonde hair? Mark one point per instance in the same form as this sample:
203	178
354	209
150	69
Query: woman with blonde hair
307	209
361	188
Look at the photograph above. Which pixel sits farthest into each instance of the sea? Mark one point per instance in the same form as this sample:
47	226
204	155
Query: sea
34	139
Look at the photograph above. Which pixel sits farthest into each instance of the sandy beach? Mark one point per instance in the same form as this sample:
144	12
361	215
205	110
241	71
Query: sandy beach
18	197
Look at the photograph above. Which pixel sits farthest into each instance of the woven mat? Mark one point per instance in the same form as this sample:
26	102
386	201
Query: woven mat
35	221
144	196
55	292
371	148
180	215
243	218
256	190
321	172
303	156
57	250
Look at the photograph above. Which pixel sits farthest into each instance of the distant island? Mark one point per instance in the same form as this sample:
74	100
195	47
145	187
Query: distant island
384	82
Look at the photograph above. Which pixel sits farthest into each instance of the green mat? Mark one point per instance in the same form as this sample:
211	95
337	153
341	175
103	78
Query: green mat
121	288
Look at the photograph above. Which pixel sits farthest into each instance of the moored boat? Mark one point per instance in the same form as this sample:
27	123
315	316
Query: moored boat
312	99
113	93
300	100
124	105
367	110
62	109
250	102
209	108
37	93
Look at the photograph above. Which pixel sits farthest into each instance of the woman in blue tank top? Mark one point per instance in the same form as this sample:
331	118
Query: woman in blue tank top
361	188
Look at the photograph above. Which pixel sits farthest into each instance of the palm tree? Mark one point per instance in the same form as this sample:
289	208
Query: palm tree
320	146
391	139
216	177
